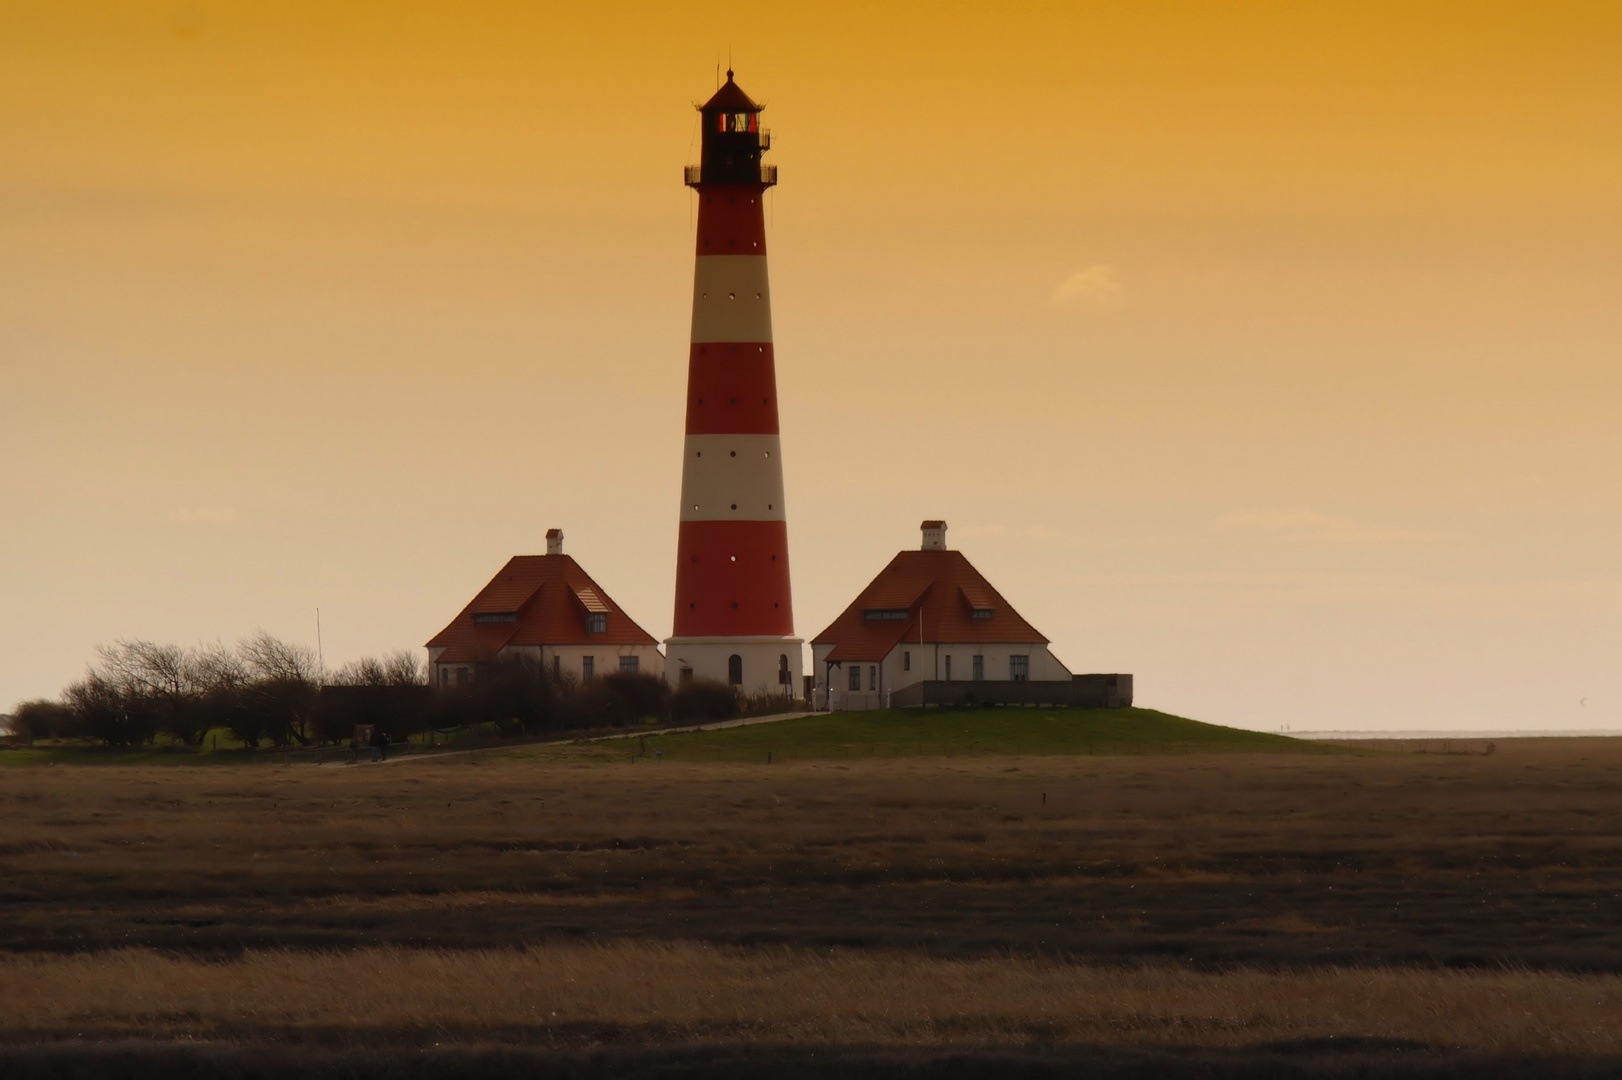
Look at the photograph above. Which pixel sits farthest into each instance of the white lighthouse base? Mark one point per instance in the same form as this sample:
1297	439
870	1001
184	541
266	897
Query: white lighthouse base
761	659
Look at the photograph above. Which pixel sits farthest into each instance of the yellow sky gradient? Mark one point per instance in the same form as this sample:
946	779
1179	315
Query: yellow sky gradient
1268	351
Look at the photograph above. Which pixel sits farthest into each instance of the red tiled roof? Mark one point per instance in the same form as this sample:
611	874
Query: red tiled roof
941	585
547	597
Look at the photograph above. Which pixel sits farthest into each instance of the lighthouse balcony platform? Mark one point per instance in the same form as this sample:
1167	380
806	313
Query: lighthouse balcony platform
694	175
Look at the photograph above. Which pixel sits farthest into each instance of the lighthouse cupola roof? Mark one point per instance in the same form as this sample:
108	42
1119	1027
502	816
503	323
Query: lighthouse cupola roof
730	98
733	141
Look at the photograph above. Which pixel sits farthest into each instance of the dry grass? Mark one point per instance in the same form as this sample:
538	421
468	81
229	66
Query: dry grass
1216	901
677	993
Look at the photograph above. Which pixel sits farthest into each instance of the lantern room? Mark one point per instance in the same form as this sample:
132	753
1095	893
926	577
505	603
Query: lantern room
733	141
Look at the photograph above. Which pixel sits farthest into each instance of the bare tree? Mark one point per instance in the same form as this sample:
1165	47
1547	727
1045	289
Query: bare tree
106	712
284	687
397	668
270	658
217	668
159	680
225	682
402	667
367	671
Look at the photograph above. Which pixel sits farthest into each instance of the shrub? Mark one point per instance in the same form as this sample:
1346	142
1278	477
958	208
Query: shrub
618	700
104	712
703	700
399	710
517	694
43	719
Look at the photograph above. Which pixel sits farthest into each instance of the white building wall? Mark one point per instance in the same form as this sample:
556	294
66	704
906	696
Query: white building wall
762	658
569	659
927	662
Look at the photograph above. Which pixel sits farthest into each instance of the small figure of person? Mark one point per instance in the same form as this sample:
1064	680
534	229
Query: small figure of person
385	746
377	742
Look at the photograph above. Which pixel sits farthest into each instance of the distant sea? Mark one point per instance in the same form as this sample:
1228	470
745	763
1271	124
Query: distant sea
1460	733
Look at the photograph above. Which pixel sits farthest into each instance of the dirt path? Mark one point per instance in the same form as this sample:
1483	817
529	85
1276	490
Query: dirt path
717	725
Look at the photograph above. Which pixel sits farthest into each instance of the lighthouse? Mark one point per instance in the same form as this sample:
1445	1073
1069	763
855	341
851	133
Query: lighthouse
734	618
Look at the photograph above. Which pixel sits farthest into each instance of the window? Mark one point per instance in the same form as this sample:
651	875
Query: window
588	666
444	676
597	622
888	614
557	666
906	661
495	616
629	665
783	676
979	668
463	676
948	667
686	675
855	677
872	678
981	613
1019	668
735	669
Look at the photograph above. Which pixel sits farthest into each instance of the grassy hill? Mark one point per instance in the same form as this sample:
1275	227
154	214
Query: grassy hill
947	732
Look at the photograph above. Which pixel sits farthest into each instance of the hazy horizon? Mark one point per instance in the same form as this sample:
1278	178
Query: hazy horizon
1266	352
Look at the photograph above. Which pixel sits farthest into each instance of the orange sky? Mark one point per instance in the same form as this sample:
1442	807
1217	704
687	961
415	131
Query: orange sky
1268	351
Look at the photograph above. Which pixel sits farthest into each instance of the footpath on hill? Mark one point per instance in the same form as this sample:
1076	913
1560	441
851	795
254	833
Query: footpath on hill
575	740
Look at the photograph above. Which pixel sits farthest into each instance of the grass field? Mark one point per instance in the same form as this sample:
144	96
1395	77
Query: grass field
1243	912
878	734
942	733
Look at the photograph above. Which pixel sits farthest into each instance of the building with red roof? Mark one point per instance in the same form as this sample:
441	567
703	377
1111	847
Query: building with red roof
929	616
547	607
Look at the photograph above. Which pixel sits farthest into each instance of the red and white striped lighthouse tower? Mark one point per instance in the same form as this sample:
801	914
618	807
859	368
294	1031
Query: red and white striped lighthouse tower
734	619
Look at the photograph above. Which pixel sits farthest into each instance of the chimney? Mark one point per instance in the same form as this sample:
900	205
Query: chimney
934	536
554	541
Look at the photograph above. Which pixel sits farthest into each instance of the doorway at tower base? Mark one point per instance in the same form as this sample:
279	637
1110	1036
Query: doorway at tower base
753	664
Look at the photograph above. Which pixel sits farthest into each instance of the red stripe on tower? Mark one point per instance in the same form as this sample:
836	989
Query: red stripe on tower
734	619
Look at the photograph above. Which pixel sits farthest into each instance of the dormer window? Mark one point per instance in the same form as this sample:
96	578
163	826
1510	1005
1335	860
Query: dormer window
596	610
495	616
885	614
980	613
